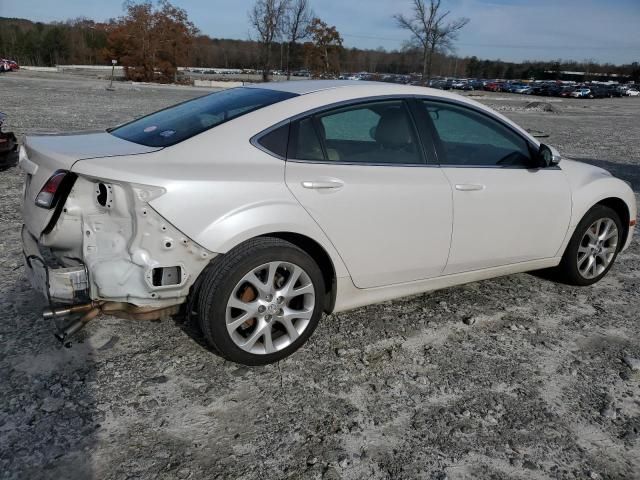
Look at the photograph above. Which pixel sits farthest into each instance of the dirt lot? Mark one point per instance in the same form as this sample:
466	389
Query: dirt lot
516	377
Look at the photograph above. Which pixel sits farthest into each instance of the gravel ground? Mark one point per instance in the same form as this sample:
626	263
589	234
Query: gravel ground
516	377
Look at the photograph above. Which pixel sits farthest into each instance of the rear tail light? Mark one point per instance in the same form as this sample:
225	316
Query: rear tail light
56	187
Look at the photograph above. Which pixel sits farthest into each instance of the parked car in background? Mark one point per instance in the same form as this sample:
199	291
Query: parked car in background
614	91
257	209
523	89
7	65
493	86
632	92
8	146
567	90
582	92
599	91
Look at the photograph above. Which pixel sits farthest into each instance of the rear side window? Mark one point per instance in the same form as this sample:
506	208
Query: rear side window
470	138
304	143
380	133
276	141
179	122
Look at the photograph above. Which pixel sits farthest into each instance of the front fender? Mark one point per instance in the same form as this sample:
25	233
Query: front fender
591	185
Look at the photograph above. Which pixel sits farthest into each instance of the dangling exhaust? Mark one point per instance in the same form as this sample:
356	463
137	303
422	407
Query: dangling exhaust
89	311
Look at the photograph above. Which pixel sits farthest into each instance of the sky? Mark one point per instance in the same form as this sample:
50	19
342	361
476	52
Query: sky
512	30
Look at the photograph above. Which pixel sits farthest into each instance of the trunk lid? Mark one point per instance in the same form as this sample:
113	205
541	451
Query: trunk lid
42	156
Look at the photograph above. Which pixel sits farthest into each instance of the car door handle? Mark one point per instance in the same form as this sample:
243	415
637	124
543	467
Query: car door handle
322	184
469	187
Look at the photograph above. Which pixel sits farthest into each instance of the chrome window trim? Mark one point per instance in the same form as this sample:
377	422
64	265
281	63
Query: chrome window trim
364	164
417	97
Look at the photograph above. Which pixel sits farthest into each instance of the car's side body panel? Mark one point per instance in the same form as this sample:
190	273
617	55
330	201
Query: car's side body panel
391	224
515	215
350	297
218	198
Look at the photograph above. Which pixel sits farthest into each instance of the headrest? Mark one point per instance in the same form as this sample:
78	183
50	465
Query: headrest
393	129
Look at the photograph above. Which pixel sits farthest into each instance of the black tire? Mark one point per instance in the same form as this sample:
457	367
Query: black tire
568	269
220	279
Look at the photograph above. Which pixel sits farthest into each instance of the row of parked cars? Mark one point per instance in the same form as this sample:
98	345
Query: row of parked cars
546	89
7	65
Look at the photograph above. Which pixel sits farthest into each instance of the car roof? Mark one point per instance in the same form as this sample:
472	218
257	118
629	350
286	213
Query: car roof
330	91
303	87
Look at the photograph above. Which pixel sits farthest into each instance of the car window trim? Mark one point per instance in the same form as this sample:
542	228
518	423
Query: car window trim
432	159
425	132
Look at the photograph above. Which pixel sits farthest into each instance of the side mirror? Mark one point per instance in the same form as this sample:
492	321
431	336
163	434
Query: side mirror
548	156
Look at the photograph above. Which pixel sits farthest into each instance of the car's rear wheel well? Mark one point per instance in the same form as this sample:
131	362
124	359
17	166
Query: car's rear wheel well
320	256
620	207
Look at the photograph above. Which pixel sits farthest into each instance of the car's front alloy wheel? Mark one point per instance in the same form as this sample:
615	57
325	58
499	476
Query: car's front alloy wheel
261	301
593	247
597	248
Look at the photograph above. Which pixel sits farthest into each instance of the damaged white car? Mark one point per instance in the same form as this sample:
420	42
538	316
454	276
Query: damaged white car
257	209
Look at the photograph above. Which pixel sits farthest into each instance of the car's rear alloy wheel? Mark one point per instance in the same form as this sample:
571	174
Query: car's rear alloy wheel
593	247
261	301
270	307
597	248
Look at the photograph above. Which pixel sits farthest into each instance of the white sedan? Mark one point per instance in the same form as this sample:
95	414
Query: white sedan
257	209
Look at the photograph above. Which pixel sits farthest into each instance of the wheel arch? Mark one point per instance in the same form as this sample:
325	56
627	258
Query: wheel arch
622	209
321	257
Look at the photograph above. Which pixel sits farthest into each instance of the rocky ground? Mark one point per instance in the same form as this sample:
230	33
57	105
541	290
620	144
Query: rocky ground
516	377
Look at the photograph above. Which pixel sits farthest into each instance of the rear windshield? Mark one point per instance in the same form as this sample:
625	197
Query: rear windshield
179	122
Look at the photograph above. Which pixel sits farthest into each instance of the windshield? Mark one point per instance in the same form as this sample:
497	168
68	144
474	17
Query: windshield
179	122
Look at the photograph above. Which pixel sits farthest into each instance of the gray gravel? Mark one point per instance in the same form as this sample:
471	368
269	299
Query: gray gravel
516	377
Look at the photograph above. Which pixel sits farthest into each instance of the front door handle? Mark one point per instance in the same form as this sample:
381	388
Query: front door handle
469	187
322	184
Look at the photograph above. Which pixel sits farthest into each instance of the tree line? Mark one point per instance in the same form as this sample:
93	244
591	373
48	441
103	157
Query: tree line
152	39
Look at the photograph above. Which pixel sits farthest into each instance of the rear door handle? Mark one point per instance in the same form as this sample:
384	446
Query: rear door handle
322	184
469	187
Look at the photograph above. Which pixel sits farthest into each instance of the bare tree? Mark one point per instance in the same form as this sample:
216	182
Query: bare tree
296	26
430	30
267	18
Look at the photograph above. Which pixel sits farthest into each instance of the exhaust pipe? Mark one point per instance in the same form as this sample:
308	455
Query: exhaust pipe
78	324
89	311
62	312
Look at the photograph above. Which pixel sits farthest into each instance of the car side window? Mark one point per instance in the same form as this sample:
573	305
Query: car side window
469	138
304	143
276	141
373	133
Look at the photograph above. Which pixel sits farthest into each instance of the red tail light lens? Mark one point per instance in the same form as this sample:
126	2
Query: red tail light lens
50	193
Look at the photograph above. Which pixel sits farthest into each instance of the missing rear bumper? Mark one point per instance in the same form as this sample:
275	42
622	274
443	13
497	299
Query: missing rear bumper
58	285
